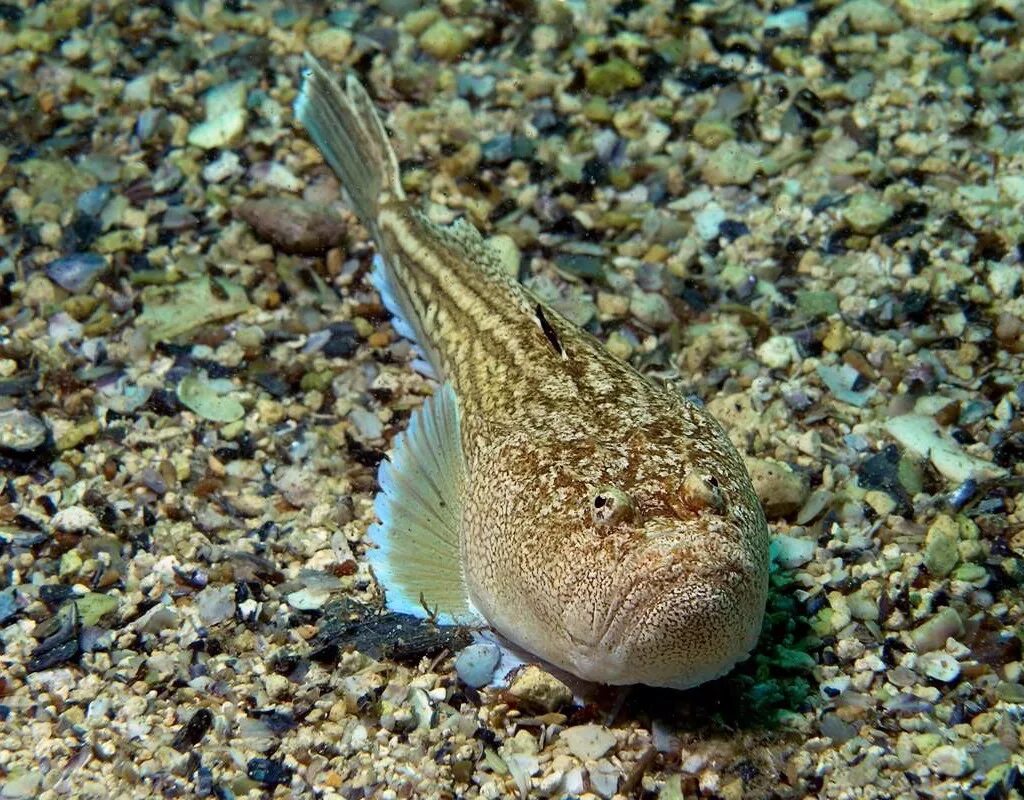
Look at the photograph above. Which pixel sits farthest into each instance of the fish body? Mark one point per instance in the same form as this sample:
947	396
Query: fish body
590	516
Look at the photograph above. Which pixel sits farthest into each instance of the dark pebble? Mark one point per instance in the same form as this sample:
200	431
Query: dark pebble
204	782
47	656
11	13
595	171
707	76
733	229
92	201
506	147
8	605
76	272
54	594
193	731
881	472
582	265
274	384
344	341
269	772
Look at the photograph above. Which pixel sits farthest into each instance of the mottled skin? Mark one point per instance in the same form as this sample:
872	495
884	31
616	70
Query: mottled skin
608	525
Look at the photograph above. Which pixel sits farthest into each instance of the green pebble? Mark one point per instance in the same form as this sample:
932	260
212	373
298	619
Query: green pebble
612	77
92	607
818	304
444	41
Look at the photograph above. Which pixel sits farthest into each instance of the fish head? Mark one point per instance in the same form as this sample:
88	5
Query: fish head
672	574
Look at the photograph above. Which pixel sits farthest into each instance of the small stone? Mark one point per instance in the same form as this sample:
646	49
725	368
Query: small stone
294	226
817	304
932	635
780	489
21	784
588	742
208	400
219	131
940	666
936	11
158	618
871	16
93	606
950	761
20	432
476	664
941	546
539	689
604	779
444	41
790	552
778	352
881	503
75	519
651	309
77	272
732	164
790	23
330	44
866	213
920	434
612	77
215	604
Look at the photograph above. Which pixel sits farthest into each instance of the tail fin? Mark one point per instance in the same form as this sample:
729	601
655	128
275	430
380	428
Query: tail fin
345	127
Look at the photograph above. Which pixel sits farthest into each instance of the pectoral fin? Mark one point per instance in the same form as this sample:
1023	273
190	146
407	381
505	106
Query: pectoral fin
419	507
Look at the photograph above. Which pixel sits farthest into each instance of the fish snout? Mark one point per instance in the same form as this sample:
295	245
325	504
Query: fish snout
697	631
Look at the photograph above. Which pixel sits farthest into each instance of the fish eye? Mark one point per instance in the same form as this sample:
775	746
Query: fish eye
702	493
611	506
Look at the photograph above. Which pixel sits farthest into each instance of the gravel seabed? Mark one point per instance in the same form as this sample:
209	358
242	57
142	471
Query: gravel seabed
808	215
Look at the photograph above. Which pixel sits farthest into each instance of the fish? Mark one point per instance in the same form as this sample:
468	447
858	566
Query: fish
547	490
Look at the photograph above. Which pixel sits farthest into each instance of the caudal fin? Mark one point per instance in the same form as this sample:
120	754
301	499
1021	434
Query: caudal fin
347	130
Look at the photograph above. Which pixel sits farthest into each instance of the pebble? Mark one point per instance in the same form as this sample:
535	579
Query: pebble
208	399
21	432
219	131
215	604
940	666
588	742
708	221
867	213
921	435
941	546
444	41
932	634
330	44
790	552
731	164
781	490
871	16
793	22
950	761
936	11
539	689
778	352
612	77
294	226
476	664
75	519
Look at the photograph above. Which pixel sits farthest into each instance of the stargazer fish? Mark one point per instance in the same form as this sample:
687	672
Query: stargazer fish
592	517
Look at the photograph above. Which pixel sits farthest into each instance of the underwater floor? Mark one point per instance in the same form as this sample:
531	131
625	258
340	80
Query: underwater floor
807	215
